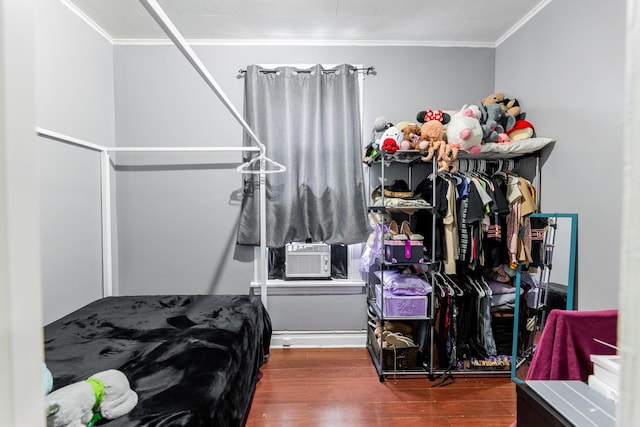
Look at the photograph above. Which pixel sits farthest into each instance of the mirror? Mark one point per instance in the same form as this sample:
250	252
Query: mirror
545	284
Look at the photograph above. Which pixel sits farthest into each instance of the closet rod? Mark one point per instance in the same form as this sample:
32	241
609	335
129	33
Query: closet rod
367	71
178	149
68	139
71	140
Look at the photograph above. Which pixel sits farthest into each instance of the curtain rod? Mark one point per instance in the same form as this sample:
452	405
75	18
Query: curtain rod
367	71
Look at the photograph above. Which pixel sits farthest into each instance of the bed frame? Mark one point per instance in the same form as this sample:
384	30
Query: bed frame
193	359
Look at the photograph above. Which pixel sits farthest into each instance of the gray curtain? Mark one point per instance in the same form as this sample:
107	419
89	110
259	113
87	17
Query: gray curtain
309	121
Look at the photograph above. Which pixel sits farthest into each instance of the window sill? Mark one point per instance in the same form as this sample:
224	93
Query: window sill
311	287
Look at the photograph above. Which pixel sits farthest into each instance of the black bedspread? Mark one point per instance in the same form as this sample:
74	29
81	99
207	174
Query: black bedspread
194	360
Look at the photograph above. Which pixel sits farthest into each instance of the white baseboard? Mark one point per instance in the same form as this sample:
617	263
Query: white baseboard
318	339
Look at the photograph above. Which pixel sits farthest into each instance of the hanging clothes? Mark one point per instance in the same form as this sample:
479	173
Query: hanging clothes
424	218
450	229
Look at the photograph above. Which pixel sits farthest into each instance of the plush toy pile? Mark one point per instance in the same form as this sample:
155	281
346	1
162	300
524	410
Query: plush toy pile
443	134
106	394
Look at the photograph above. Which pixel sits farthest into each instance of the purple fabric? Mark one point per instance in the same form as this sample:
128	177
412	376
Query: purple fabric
501	288
567	343
401	284
374	251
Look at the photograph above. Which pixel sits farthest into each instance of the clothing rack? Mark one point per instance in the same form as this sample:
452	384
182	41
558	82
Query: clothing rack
367	71
485	165
473	164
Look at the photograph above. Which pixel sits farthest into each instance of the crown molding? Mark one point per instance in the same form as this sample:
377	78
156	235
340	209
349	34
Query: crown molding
88	20
304	42
521	22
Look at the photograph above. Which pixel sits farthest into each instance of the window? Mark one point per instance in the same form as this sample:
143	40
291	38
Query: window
310	120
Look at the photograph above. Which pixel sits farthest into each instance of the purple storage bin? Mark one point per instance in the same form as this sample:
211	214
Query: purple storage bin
401	306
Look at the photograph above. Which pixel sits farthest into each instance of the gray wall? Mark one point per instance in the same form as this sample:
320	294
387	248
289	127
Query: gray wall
566	66
74	96
176	224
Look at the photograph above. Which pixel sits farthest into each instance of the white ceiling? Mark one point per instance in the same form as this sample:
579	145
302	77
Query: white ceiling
375	22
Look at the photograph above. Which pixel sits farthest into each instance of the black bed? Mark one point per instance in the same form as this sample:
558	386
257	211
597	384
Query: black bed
194	360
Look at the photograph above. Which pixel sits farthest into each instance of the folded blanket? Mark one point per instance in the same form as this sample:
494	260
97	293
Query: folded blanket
500	287
401	284
104	395
567	343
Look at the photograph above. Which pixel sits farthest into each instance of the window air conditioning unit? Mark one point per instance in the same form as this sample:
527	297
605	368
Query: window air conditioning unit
308	261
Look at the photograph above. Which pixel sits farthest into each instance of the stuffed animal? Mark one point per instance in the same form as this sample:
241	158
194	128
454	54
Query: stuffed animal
391	139
464	132
522	130
439	115
431	139
433	132
494	98
402	125
490	128
494	113
503	138
372	150
410	136
511	107
104	395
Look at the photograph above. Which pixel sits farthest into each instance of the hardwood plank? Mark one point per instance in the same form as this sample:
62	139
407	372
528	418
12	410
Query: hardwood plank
319	387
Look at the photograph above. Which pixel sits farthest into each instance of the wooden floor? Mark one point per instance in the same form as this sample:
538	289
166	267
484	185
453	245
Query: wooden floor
340	387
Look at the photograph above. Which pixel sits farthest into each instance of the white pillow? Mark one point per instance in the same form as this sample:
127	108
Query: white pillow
510	149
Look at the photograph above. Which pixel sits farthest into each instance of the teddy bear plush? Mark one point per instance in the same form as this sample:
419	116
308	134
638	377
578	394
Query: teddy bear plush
411	133
494	98
511	107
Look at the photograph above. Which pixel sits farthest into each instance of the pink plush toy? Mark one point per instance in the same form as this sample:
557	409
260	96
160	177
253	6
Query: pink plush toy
503	138
464	131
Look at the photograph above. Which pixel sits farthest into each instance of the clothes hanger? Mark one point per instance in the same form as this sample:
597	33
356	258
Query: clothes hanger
487	289
476	286
500	171
457	289
437	285
255	166
445	283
